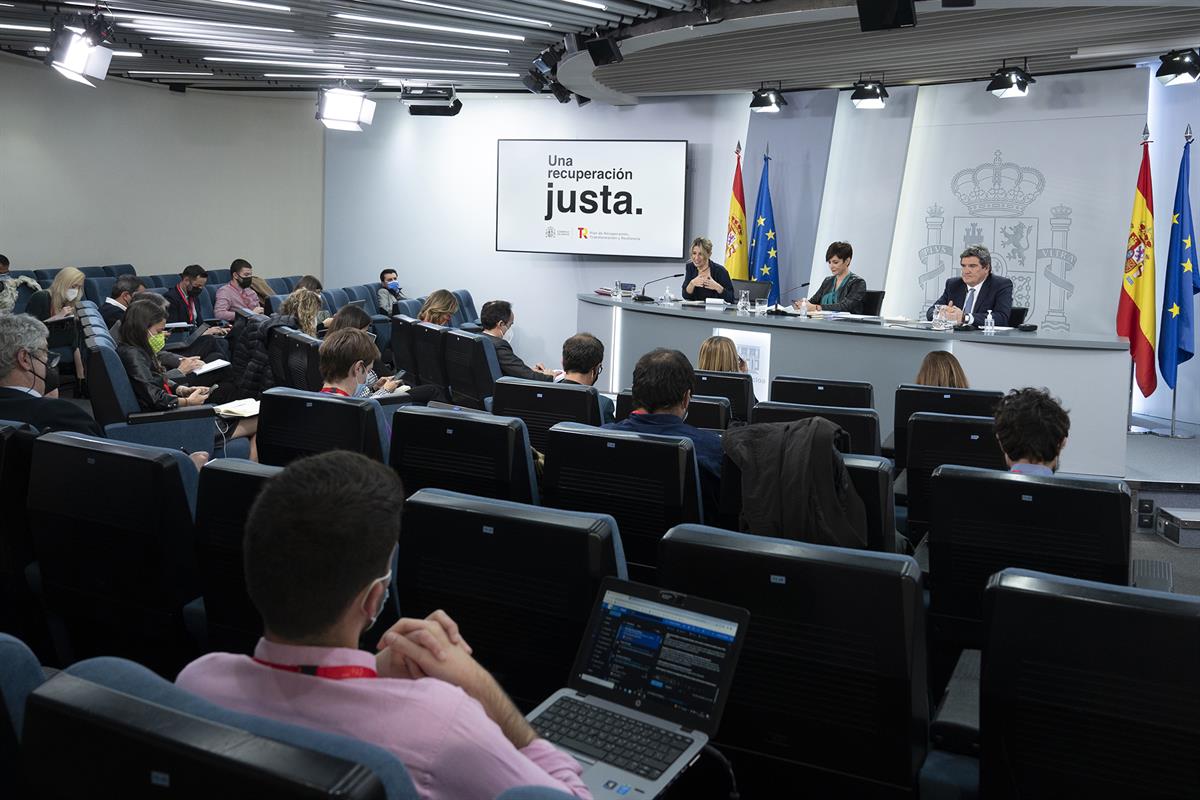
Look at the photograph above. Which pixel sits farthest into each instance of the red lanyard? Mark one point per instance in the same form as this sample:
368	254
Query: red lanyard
189	304
332	673
335	390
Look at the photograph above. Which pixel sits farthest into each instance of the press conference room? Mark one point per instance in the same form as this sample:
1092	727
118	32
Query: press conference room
546	399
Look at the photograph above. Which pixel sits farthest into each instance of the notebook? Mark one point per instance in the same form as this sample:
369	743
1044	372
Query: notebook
647	689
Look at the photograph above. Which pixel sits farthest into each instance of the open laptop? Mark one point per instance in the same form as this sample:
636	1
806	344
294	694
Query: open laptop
647	689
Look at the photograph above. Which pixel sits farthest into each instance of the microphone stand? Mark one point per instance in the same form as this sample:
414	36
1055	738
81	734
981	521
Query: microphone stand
645	298
778	313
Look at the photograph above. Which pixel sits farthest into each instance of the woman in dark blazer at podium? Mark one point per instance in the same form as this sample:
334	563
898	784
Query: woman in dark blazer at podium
843	290
704	278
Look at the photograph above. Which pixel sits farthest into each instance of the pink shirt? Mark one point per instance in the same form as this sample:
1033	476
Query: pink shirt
231	297
451	748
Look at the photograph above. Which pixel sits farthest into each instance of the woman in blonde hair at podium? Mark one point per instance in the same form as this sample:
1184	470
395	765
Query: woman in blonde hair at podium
703	278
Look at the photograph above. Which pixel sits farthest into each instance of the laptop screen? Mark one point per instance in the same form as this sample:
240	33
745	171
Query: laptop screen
669	660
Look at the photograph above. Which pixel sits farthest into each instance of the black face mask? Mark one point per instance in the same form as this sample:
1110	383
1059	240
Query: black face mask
246	283
195	291
51	379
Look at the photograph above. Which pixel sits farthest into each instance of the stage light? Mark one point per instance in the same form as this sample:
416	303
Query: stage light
1010	82
604	50
547	61
767	100
869	94
1179	67
76	48
561	93
344	109
534	81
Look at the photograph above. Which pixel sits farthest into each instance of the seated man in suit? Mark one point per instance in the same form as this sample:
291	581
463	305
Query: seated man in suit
582	358
29	380
497	319
969	298
662	389
119	298
423	697
1032	430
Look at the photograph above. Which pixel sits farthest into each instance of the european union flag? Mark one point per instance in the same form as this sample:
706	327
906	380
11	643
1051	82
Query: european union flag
1177	336
764	242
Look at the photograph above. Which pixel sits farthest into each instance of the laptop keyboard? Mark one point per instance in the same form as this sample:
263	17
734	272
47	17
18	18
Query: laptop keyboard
645	750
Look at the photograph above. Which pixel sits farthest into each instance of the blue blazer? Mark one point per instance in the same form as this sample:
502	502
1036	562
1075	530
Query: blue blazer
995	293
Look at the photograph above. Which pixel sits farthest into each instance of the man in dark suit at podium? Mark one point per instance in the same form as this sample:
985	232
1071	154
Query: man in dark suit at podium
969	298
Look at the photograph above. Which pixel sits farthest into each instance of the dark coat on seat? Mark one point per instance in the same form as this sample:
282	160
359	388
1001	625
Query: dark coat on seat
251	360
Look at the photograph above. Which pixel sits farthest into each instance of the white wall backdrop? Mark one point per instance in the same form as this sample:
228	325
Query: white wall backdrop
126	173
1172	109
419	194
862	185
1045	182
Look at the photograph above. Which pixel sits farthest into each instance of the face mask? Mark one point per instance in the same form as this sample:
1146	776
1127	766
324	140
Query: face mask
50	378
508	333
72	294
246	283
394	285
361	389
195	291
157	341
387	592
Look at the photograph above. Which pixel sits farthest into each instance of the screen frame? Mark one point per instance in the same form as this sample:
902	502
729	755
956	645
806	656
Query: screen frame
684	602
683	209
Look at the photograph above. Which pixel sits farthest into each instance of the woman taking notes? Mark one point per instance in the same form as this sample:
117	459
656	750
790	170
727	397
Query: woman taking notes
703	279
843	290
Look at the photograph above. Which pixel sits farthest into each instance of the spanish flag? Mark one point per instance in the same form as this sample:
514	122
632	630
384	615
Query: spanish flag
1135	311
735	237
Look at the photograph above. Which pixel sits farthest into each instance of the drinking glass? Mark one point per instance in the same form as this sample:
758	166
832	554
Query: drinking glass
760	306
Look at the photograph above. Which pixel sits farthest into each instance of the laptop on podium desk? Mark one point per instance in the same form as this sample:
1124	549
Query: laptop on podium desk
647	689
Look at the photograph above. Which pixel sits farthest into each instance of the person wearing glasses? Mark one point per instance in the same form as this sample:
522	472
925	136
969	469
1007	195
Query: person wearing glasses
978	291
582	357
29	380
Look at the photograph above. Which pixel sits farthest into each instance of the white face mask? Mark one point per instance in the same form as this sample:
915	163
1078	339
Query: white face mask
508	333
72	294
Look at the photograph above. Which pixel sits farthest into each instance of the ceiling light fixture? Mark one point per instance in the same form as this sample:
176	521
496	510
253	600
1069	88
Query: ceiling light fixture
76	48
223	44
273	63
366	38
427	58
344	109
429	71
588	4
768	100
254	4
429	4
1008	82
1179	67
869	94
428	27
152	72
188	24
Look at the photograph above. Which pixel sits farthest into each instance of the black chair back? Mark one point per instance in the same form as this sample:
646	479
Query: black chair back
279	347
293	423
649	483
832	674
818	392
117	566
1117	666
137	748
873	302
861	423
404	346
304	361
737	386
985	521
471	367
911	398
759	290
463	451
543	404
227	490
429	344
19	614
710	413
937	439
1017	316
522	579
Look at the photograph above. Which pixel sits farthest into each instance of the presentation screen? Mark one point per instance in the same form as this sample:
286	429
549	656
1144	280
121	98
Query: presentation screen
591	197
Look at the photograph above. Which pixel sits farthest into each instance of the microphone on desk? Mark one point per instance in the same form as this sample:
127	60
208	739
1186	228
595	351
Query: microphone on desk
785	294
643	297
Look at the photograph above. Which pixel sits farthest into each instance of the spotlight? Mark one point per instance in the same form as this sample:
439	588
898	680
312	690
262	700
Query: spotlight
344	109
437	111
429	96
869	93
547	60
767	100
534	81
1179	67
1010	81
76	51
604	50
581	100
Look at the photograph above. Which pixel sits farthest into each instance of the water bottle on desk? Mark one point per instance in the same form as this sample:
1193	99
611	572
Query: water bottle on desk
803	308
743	306
616	293
989	324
